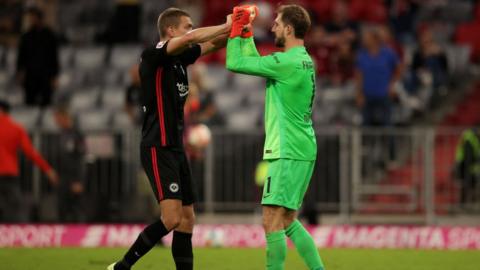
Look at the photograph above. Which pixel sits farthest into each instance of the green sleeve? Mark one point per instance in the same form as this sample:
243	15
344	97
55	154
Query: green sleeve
270	66
248	47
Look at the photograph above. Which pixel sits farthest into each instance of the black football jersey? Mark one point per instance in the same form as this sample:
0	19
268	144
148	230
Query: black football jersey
164	90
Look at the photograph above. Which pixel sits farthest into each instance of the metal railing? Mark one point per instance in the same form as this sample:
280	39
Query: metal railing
405	171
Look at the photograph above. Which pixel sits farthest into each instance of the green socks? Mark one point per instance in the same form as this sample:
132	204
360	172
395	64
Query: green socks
277	247
305	245
276	250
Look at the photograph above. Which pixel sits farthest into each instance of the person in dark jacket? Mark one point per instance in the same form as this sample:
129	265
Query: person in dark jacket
37	62
71	152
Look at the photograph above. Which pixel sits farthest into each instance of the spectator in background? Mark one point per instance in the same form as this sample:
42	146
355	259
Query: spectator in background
341	64
467	158
70	155
402	19
204	109
388	39
431	59
37	62
341	29
334	44
208	113
124	25
377	70
132	96
13	138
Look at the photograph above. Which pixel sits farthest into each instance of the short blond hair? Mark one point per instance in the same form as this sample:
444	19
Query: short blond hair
169	17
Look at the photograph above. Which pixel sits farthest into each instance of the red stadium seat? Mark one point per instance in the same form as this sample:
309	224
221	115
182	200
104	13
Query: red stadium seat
373	11
322	10
477	13
466	35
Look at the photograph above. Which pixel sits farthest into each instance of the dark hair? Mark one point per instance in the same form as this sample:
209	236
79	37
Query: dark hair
169	17
297	17
4	106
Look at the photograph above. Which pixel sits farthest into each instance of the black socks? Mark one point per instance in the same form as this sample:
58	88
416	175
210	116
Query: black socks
147	239
182	250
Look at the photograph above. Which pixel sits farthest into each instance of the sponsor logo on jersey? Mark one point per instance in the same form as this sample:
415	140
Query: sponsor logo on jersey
182	89
174	187
160	44
268	151
307	65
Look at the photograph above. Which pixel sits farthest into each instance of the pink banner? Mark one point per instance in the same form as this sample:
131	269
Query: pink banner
244	236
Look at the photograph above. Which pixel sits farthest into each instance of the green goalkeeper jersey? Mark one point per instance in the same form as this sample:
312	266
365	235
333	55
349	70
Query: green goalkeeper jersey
289	97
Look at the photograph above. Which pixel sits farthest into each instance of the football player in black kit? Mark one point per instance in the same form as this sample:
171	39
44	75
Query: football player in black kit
164	89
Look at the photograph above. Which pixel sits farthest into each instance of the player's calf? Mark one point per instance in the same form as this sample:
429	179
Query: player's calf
182	240
305	245
275	236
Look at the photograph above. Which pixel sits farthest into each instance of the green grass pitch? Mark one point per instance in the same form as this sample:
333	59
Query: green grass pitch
238	259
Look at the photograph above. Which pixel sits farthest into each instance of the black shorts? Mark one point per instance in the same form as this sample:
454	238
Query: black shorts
169	174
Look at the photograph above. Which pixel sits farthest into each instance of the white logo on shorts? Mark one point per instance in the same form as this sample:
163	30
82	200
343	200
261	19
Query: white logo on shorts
174	187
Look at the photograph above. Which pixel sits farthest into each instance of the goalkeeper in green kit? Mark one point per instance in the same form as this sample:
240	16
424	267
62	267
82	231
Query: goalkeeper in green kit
290	146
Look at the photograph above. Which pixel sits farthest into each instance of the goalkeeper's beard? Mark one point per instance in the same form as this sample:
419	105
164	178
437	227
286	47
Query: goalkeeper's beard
280	42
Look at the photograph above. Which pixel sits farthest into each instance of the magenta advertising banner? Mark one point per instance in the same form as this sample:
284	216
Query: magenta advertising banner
393	237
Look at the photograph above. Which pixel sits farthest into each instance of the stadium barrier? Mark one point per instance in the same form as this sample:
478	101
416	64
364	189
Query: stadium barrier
406	171
376	237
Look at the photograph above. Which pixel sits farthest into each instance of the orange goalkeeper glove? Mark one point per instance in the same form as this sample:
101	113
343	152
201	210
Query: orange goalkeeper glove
248	28
240	18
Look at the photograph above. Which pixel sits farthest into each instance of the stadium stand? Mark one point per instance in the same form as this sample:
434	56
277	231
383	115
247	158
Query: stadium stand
94	76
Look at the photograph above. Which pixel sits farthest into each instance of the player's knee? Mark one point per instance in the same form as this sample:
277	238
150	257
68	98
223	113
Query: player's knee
271	225
288	218
287	221
189	220
266	222
171	221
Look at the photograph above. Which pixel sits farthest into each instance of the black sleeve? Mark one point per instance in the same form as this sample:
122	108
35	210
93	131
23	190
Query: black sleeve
190	55
156	55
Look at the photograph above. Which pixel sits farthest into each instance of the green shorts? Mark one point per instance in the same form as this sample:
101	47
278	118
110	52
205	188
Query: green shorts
287	181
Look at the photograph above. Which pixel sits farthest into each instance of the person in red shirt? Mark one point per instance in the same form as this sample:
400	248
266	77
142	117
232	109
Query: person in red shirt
13	138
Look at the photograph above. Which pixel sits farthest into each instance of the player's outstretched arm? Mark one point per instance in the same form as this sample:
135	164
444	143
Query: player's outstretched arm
177	45
271	66
242	55
249	48
214	44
